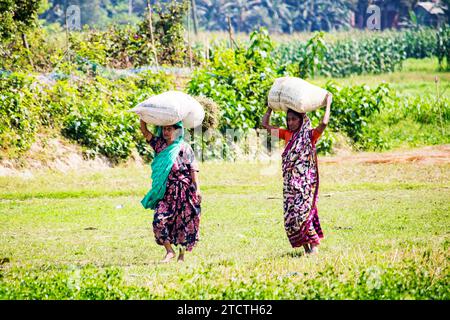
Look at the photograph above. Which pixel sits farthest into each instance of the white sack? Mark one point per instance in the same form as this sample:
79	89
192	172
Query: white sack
170	107
296	94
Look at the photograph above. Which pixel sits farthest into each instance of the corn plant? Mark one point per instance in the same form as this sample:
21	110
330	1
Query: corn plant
443	47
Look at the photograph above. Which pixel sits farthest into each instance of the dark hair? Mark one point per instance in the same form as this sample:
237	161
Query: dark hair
176	126
297	114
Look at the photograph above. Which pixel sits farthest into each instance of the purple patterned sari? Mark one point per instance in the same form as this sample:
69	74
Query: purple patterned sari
300	188
177	215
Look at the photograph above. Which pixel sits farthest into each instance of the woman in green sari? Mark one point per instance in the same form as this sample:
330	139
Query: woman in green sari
175	193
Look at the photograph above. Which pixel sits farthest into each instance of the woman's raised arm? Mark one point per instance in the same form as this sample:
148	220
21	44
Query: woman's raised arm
321	127
147	134
266	120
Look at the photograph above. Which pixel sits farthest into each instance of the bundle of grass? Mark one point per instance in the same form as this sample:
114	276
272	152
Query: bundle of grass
212	112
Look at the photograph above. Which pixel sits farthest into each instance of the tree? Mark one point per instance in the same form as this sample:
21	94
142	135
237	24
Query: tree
446	5
241	12
312	15
213	13
194	15
280	14
17	17
168	28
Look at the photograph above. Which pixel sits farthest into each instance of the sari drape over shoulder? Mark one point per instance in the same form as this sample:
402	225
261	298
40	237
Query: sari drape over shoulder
301	188
177	214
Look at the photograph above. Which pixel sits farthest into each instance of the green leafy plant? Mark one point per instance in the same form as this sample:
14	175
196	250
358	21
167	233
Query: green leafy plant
353	107
443	47
90	111
238	80
370	54
313	56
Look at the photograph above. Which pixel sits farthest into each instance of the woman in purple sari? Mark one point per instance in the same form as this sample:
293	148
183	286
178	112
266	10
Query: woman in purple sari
301	178
177	209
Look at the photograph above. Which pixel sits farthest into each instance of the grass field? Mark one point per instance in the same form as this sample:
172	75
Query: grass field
84	235
417	77
396	128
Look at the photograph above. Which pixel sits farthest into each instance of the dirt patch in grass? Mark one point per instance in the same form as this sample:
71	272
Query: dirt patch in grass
426	155
58	155
51	153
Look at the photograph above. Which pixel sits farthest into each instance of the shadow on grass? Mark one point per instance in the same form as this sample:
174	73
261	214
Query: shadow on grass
293	254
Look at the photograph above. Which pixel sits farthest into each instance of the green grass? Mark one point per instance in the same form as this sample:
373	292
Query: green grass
399	128
417	77
386	236
386	227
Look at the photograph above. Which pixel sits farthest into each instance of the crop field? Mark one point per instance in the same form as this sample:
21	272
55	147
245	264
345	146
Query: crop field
74	163
84	235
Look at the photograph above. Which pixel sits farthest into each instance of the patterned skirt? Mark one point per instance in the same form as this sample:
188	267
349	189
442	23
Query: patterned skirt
301	220
177	215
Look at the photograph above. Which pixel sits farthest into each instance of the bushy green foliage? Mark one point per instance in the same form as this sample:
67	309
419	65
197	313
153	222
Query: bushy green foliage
372	54
353	107
116	46
44	51
443	47
375	282
90	111
17	17
420	43
131	46
313	56
412	280
18	114
239	80
81	283
408	121
169	31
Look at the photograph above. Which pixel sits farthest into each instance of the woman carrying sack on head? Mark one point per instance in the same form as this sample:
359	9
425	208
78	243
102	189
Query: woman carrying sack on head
175	193
301	177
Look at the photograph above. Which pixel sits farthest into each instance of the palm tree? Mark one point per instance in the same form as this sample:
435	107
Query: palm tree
312	15
241	12
281	14
212	14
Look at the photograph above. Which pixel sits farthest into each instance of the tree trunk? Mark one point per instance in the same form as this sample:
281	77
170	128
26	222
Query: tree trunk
150	26
194	16
189	42
230	32
25	44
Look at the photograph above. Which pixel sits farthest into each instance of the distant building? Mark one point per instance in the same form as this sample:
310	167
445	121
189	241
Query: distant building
391	13
430	13
395	13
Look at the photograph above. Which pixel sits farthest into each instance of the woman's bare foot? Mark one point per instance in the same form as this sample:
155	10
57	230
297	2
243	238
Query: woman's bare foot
169	256
181	255
314	249
307	248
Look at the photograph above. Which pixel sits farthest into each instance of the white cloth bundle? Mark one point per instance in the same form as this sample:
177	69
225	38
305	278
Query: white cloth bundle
296	94
170	107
